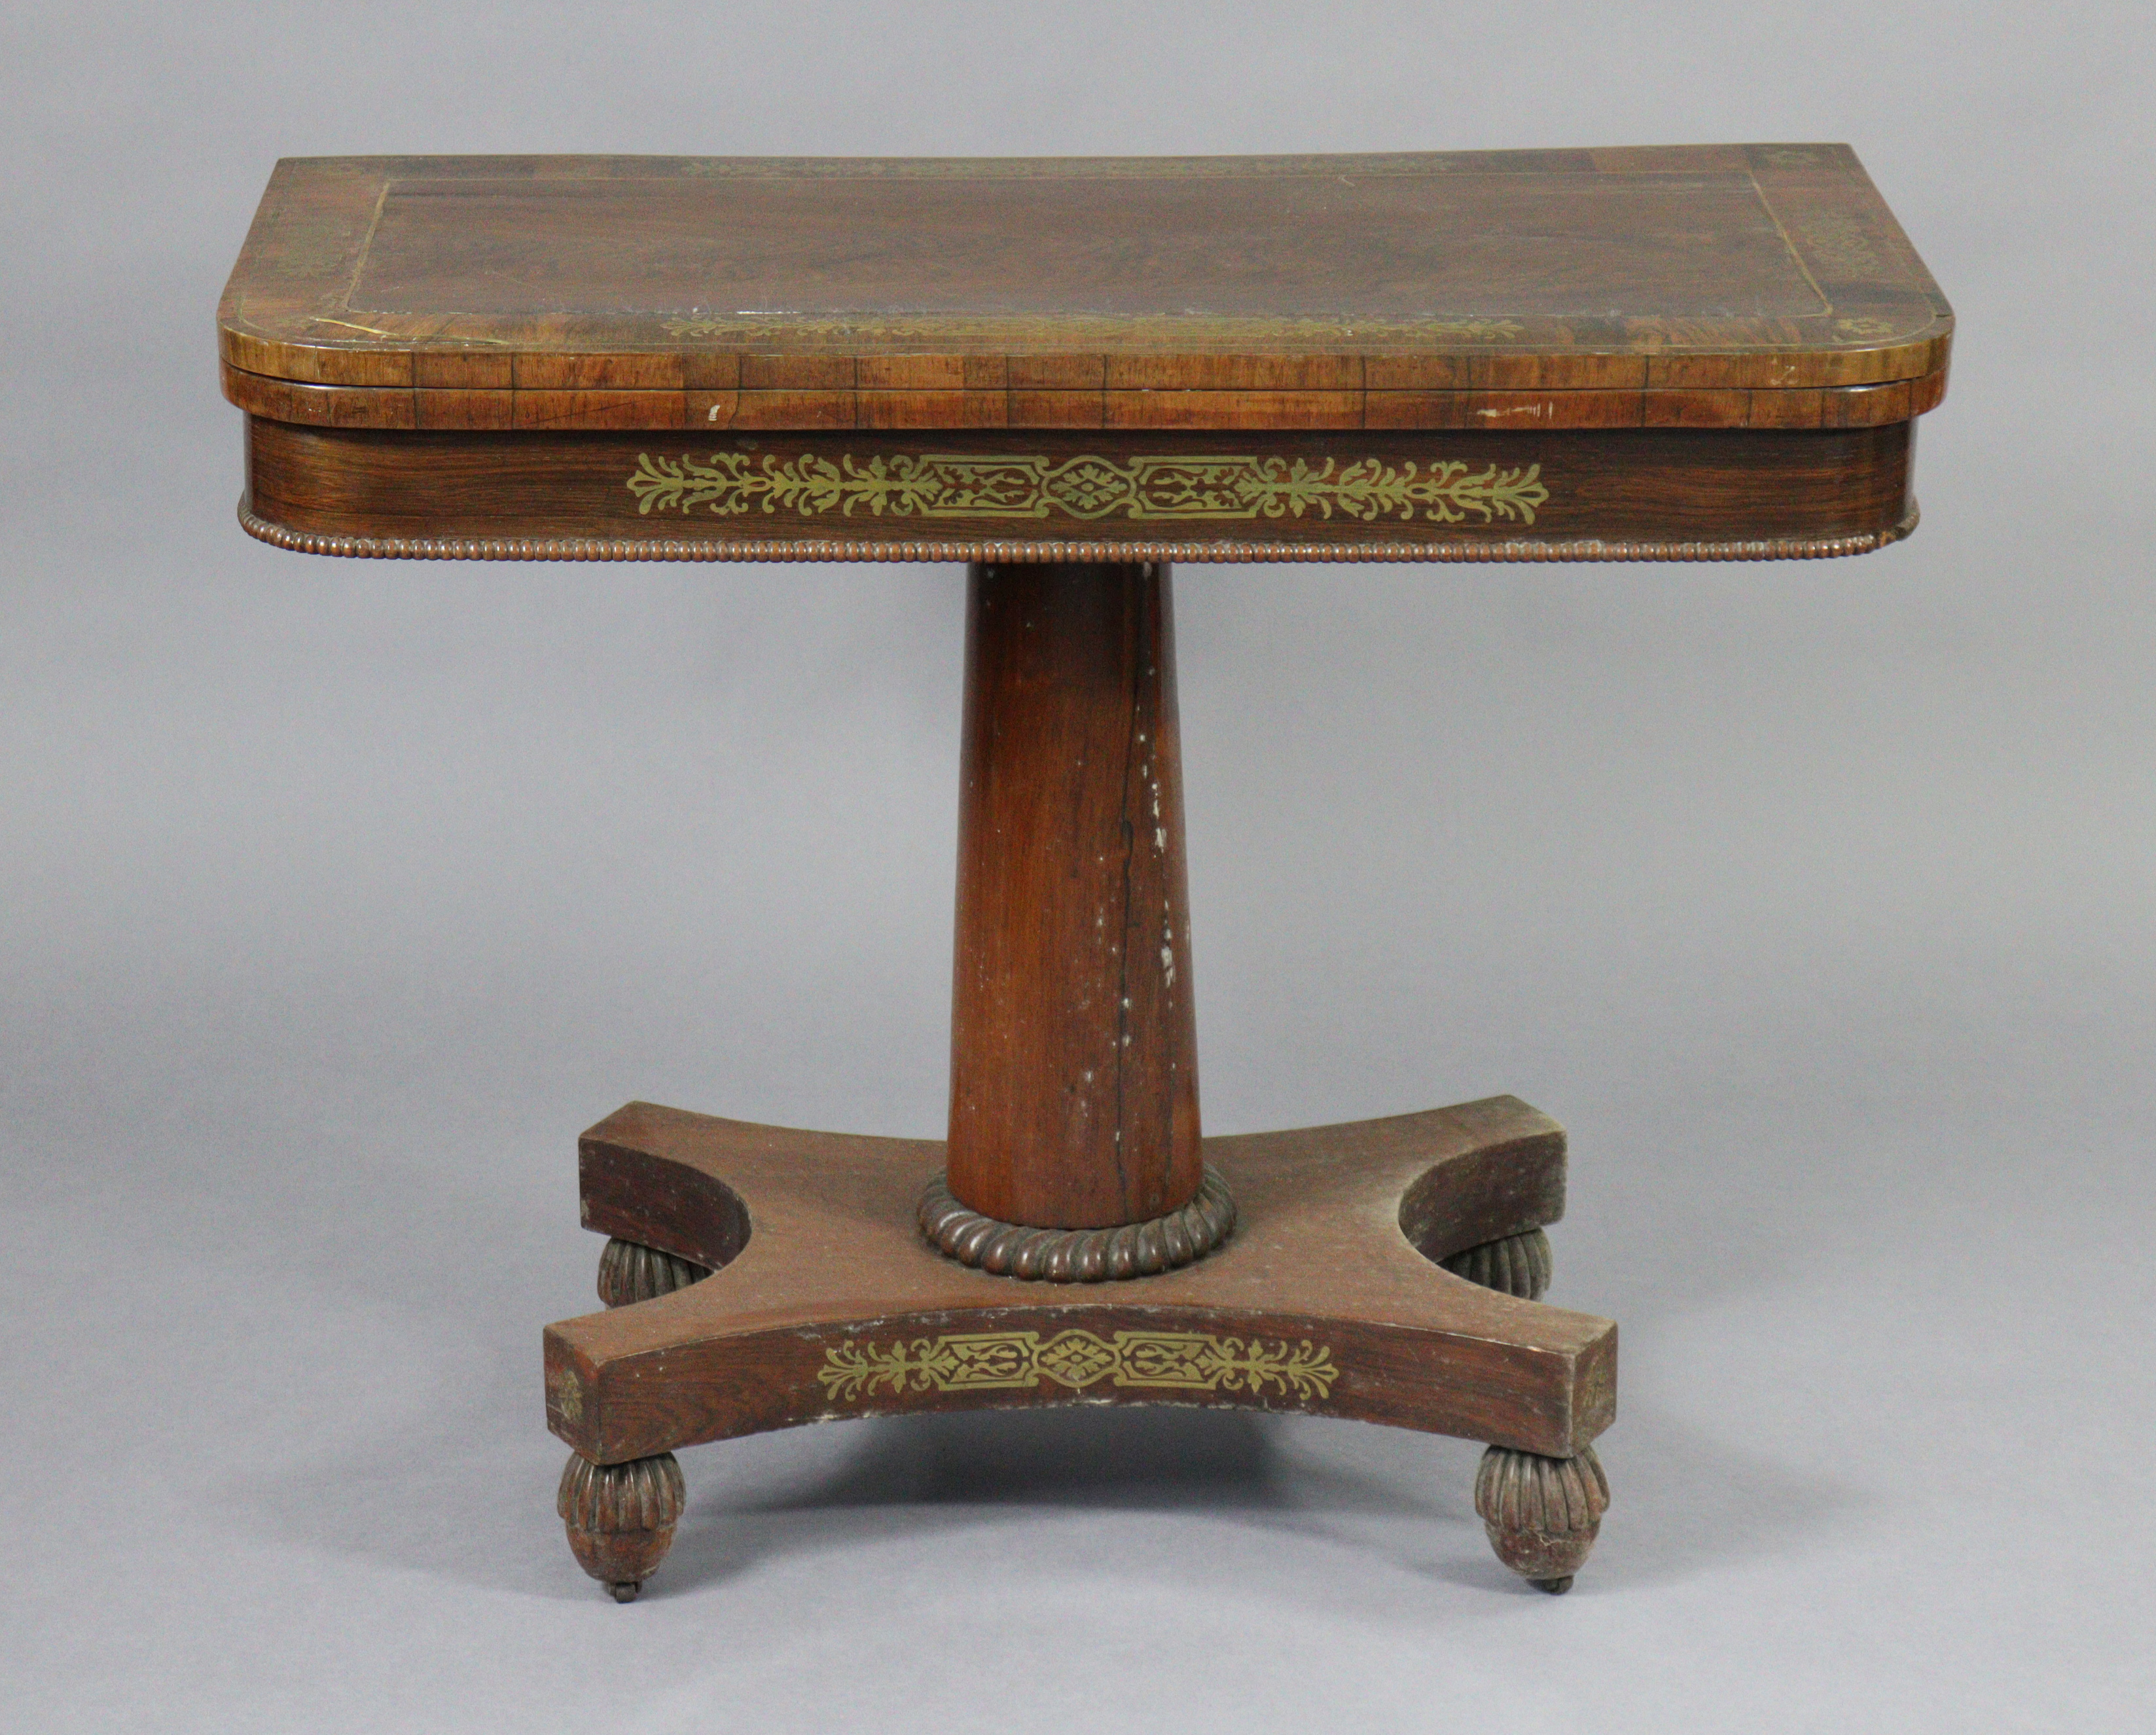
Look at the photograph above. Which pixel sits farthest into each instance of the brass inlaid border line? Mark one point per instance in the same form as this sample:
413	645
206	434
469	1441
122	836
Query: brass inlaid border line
1789	245
366	245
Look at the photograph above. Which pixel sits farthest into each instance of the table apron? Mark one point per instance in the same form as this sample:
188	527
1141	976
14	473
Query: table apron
1084	494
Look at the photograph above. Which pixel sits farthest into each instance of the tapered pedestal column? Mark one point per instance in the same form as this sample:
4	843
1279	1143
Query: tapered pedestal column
1074	1054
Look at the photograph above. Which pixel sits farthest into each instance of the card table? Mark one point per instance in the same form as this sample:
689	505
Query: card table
1069	374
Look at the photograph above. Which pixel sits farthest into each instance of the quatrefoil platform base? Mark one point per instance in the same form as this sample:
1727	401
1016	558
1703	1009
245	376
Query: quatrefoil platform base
826	1303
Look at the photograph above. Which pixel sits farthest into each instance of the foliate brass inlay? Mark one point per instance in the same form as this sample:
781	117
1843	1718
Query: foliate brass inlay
1016	1361
958	484
1839	243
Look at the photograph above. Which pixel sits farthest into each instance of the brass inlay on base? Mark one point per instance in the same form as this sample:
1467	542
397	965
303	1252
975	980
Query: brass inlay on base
1017	1361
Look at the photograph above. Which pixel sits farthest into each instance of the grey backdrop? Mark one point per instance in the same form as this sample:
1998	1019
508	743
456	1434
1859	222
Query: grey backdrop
1816	899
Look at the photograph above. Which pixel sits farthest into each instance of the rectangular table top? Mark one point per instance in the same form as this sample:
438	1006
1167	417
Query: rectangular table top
1709	285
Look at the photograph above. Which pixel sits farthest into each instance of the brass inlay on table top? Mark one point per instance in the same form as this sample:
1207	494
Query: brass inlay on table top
1110	332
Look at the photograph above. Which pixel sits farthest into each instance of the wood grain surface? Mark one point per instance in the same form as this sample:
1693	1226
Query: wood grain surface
1328	1300
1073	1040
1543	288
1633	404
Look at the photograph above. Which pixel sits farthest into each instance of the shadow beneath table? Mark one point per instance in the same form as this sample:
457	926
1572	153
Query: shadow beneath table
948	1474
1684	1505
470	1498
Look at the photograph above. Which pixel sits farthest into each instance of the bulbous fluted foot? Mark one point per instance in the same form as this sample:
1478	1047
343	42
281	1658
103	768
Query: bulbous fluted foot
621	1517
630	1271
1517	1264
1542	1514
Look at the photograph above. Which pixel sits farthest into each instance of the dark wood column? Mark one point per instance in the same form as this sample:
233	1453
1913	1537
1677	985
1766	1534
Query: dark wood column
1074	1051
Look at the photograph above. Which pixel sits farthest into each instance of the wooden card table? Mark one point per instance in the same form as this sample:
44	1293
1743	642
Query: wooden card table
1069	374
